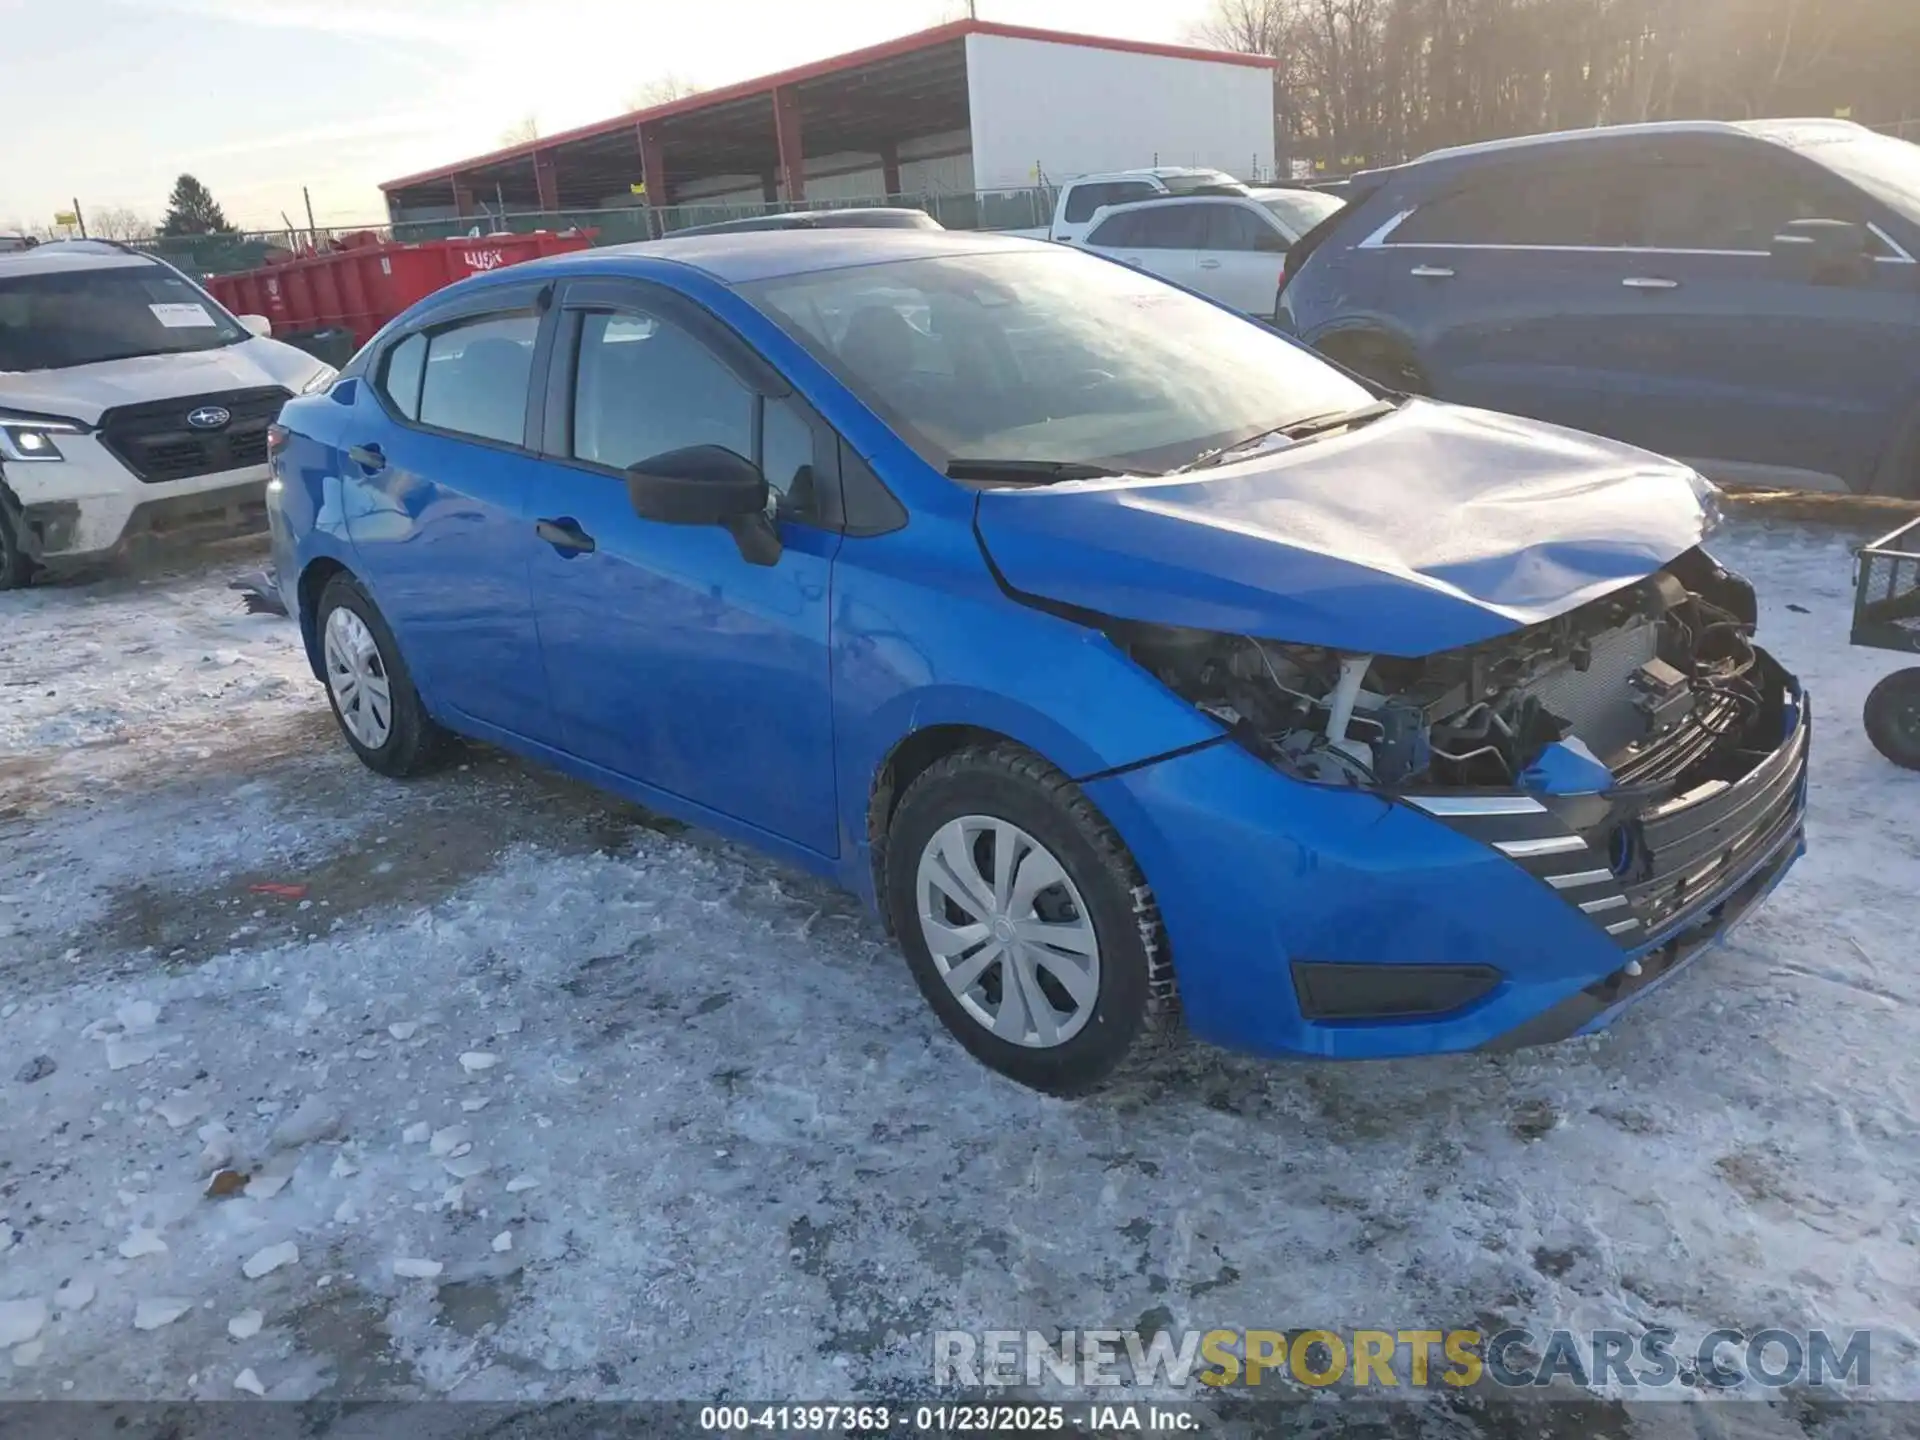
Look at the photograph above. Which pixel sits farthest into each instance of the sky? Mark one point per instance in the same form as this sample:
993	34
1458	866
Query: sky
107	101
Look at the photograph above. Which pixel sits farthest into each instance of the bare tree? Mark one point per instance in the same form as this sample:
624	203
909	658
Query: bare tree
117	222
669	85
523	131
1374	81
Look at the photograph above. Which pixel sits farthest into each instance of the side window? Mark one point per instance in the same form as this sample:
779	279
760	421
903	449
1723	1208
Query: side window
786	453
1083	200
1172	227
475	377
1733	205
643	386
1587	206
1114	230
400	375
1234	227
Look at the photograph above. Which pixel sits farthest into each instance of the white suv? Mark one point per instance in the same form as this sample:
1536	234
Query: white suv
1231	248
131	404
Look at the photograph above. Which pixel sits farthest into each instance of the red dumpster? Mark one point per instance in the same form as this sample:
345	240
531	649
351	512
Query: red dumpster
360	283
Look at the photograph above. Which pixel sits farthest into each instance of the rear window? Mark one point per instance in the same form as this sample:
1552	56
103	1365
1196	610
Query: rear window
1298	211
84	317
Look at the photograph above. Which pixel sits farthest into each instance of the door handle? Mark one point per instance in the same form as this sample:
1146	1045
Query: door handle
1431	272
368	457
1209	264
566	536
1649	282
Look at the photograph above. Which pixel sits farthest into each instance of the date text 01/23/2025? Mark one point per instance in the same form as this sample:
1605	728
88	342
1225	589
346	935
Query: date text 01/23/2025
943	1419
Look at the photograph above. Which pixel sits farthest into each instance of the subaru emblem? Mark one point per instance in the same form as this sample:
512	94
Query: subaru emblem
209	417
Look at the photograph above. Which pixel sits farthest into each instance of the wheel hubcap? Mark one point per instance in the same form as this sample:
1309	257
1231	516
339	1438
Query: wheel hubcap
357	676
1008	931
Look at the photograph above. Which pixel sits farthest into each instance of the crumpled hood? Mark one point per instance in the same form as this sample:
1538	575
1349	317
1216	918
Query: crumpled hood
1435	527
85	392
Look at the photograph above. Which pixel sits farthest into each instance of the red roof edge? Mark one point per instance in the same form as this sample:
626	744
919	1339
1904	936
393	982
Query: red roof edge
852	59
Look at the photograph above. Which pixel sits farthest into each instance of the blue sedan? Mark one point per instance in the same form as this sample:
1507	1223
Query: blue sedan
1138	667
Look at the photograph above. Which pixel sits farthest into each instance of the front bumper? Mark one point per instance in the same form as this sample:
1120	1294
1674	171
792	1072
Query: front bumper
88	507
1261	880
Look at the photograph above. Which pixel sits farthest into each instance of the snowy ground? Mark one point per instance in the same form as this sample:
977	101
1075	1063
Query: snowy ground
673	1122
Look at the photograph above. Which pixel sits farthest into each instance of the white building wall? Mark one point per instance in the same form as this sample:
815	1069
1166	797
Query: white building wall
1075	110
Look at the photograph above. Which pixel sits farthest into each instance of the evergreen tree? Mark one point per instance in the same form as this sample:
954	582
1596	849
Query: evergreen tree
191	210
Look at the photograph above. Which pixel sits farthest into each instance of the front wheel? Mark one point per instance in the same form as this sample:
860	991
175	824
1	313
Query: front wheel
1025	922
16	568
1892	716
368	685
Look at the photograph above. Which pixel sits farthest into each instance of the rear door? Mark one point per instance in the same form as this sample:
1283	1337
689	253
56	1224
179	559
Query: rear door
1504	281
674	662
438	463
1240	257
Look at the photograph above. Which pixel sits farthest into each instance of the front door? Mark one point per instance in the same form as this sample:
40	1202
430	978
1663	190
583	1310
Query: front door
1722	351
671	659
1240	256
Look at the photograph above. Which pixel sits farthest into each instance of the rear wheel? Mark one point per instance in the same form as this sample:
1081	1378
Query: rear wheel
368	685
16	569
1376	357
1025	922
1892	716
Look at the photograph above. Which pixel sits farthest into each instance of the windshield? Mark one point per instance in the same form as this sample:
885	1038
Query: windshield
1298	211
1050	356
81	317
1886	168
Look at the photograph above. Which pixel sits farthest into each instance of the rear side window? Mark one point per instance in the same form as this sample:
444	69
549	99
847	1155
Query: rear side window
1585	206
475	380
1083	200
1114	230
400	375
1171	227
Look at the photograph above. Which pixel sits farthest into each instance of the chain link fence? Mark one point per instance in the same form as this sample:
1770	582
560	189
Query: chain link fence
1028	209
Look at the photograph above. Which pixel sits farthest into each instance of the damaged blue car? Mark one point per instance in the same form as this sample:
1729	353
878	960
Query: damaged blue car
1138	667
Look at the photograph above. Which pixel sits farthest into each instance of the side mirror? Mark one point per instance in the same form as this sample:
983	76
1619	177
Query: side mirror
258	326
707	485
1823	250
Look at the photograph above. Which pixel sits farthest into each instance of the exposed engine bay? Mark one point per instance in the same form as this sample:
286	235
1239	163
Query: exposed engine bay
1656	687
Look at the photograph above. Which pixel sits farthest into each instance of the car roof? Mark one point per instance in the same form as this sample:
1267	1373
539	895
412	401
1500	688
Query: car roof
1161	202
57	256
1779	131
878	217
740	256
1158	172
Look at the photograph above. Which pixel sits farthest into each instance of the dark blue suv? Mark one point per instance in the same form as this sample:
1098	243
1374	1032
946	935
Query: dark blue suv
1744	297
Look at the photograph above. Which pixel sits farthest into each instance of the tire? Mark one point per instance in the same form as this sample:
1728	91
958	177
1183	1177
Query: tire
1892	716
1375	357
962	809
16	569
358	654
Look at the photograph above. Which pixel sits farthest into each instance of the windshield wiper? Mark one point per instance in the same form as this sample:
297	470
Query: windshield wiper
1031	472
1295	430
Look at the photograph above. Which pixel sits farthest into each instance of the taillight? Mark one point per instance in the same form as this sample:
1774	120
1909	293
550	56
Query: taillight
277	437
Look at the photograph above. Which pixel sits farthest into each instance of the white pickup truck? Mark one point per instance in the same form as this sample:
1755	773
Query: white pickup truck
1079	198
